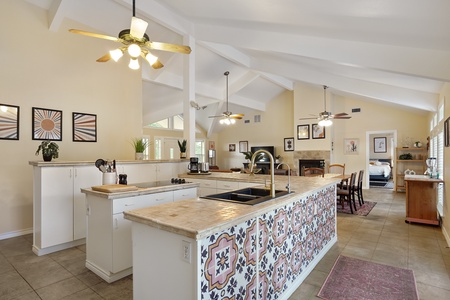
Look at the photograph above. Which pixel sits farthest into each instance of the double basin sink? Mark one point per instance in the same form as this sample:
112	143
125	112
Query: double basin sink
248	196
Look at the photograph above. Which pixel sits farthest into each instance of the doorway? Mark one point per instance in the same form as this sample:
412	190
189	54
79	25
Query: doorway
389	155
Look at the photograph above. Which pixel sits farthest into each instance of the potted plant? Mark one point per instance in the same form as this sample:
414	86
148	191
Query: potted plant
248	156
49	150
277	159
139	147
183	146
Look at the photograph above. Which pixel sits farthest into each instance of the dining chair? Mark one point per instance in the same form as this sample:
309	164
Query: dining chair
346	193
313	172
358	188
336	168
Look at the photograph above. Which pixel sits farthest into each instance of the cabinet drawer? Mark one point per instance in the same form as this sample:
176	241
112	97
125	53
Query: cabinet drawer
208	184
132	203
227	185
184	194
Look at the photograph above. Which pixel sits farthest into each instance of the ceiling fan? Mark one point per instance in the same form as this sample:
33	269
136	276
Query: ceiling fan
227	116
137	43
326	116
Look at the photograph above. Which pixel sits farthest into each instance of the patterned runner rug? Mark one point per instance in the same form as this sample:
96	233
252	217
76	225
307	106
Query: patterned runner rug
353	278
364	210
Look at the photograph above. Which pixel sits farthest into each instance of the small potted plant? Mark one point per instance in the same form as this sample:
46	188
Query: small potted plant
49	150
183	147
277	159
139	147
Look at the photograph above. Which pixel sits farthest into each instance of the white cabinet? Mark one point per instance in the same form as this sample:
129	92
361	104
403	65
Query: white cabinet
109	245
59	207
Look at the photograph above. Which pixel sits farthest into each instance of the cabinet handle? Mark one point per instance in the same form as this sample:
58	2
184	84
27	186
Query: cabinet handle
159	199
116	223
70	173
129	204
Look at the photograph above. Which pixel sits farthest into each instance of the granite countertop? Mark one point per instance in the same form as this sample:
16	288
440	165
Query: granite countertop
198	218
422	178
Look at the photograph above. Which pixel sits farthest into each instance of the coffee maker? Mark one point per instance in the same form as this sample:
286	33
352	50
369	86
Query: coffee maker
193	165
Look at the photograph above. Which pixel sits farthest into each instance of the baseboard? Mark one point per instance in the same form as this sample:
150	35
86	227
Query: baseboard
11	234
445	233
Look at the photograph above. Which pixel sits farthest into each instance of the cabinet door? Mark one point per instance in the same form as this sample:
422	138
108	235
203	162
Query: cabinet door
122	247
56	206
84	177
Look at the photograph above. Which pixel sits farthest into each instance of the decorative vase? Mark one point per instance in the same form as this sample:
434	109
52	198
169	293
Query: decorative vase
182	154
139	156
47	157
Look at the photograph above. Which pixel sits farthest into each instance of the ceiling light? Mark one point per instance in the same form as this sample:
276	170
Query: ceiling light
151	58
116	54
138	27
134	64
134	50
325	122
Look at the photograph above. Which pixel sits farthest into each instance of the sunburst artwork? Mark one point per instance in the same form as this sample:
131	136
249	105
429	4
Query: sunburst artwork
84	127
47	124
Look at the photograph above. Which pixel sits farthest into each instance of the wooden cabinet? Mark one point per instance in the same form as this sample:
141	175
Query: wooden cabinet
421	195
415	163
59	217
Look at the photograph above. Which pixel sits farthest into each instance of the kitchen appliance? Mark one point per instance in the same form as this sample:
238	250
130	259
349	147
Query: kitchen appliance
431	166
193	165
203	167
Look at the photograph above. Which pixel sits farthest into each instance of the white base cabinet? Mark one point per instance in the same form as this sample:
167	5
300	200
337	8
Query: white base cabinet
108	244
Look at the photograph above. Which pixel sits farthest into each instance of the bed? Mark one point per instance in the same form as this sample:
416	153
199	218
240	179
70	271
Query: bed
380	169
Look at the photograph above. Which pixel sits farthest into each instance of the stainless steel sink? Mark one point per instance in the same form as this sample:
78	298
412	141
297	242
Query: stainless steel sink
248	196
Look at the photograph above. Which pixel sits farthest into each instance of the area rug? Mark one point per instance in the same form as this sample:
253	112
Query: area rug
364	210
353	278
382	184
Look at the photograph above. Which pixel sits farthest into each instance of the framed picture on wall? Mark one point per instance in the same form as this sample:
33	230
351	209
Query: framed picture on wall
84	127
47	124
303	132
446	132
351	146
232	147
318	132
243	146
9	122
379	145
289	144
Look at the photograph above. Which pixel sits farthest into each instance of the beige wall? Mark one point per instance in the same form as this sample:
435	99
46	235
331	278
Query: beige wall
445	95
57	70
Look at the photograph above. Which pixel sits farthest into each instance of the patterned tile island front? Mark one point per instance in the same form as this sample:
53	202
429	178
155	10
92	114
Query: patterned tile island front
206	249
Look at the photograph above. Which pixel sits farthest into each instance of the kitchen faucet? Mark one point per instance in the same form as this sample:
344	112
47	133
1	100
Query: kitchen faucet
272	173
288	186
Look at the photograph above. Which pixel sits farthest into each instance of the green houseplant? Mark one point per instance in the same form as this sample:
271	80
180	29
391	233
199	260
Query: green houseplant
139	147
49	150
183	147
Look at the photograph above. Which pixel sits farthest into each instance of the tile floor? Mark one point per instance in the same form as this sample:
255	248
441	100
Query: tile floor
381	237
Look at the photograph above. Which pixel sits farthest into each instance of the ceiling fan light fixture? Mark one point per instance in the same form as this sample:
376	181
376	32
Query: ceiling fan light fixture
134	64
151	58
325	122
134	50
116	54
138	27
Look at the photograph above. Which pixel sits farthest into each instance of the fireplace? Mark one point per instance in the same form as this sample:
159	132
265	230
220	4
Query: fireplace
310	163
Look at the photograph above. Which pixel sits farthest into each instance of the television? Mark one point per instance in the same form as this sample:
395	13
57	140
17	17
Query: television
264	158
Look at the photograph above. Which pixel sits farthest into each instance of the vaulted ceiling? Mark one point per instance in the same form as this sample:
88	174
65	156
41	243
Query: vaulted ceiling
391	51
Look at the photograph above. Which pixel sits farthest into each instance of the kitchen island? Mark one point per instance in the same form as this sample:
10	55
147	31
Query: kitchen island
108	238
205	249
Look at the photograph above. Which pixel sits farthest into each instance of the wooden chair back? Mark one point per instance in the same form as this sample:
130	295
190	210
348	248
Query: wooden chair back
313	172
336	168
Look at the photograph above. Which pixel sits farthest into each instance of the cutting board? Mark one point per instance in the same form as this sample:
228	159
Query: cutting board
114	188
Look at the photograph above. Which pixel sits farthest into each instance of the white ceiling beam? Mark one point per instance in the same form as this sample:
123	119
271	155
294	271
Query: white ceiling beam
229	53
426	63
56	14
279	80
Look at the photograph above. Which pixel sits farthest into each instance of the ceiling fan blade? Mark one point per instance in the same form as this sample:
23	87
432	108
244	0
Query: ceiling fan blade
104	58
221	116
310	118
168	47
96	35
236	115
340	114
157	65
343	117
138	27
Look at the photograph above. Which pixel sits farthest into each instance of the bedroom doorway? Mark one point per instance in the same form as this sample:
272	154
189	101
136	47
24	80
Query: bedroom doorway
380	154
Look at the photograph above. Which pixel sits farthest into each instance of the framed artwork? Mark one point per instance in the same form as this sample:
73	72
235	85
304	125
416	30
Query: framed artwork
303	132
351	146
243	146
47	124
318	132
232	147
379	145
9	122
212	145
446	132
84	127
289	144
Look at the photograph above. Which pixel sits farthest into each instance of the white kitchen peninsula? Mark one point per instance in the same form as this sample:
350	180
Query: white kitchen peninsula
205	249
59	207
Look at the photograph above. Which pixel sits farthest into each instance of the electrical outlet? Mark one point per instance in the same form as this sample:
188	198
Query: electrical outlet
186	251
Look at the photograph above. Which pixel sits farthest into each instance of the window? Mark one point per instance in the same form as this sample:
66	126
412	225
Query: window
200	150
437	150
157	148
